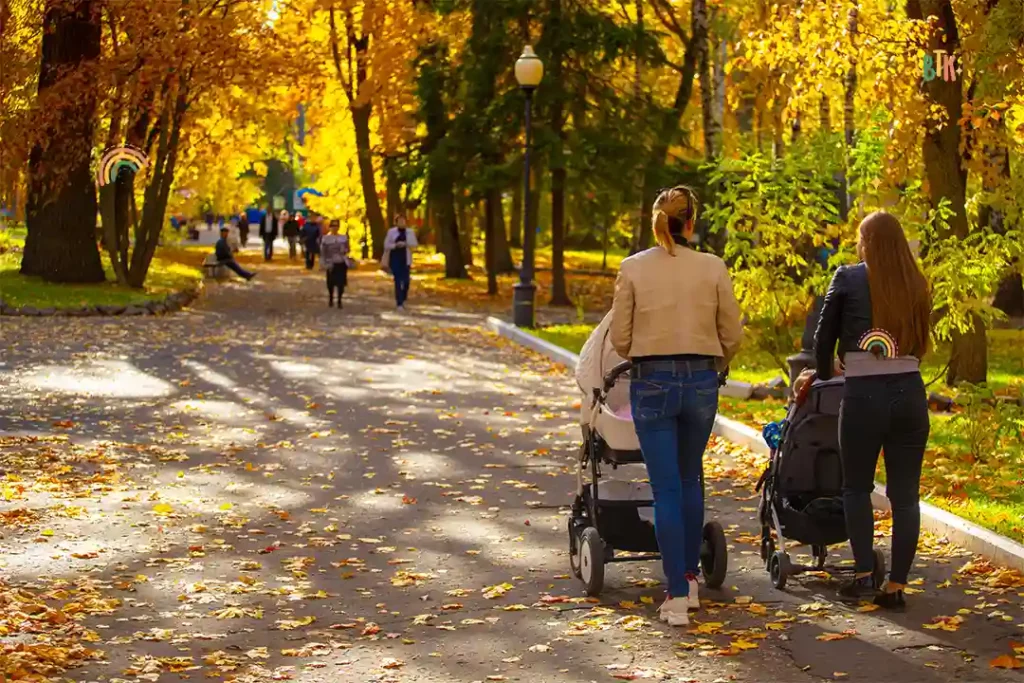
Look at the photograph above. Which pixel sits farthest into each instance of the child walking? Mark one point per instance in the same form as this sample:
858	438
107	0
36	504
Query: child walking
334	250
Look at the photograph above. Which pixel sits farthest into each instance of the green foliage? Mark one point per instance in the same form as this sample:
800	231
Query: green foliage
778	216
964	272
985	422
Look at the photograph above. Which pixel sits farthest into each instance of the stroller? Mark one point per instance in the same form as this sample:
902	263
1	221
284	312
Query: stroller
801	489
617	514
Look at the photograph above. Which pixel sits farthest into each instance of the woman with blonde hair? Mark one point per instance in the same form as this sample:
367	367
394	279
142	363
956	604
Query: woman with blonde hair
676	318
878	313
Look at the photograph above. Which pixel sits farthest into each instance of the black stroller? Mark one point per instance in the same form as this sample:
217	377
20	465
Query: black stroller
801	489
608	514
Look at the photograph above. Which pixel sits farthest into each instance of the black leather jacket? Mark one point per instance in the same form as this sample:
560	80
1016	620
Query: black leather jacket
845	316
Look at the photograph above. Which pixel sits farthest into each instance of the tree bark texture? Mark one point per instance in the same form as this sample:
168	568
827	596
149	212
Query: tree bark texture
669	129
947	177
559	293
61	205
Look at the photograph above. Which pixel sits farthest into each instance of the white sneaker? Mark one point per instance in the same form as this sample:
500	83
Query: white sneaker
674	612
692	600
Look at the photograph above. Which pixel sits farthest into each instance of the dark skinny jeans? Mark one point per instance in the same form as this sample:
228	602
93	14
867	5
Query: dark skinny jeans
887	413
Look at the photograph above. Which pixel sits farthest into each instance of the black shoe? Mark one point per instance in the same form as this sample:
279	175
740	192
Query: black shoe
330	303
894	600
858	589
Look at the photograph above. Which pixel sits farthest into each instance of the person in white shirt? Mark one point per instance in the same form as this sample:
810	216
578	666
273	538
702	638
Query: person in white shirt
398	246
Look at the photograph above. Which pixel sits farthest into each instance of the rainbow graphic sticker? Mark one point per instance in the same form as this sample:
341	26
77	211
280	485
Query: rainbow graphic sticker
117	159
879	343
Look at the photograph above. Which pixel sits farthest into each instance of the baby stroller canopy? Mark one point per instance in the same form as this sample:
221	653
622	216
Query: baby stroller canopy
613	421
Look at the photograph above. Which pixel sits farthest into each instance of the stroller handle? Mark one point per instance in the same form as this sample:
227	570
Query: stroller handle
616	372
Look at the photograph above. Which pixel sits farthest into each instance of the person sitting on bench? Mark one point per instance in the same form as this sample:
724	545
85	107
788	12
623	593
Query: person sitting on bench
226	258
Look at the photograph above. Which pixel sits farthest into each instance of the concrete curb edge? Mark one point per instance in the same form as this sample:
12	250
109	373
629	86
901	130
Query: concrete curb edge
998	549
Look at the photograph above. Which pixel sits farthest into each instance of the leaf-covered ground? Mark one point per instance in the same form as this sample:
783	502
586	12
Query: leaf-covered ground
262	488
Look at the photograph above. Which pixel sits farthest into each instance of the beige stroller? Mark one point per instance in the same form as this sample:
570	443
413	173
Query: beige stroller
617	513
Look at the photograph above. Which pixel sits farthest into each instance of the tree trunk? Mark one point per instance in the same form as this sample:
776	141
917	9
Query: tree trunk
61	206
947	177
393	191
707	85
849	122
718	112
559	295
515	234
1010	296
466	225
669	129
502	254
367	179
159	189
492	207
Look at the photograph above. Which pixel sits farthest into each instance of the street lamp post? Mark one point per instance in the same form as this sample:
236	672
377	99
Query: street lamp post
529	71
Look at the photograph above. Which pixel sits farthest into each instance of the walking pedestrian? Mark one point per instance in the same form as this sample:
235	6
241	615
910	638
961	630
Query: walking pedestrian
878	311
226	258
243	228
398	246
334	260
268	233
290	230
311	241
676	318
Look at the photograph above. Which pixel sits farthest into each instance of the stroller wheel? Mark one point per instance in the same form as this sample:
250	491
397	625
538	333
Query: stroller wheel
780	568
592	561
575	528
878	574
714	555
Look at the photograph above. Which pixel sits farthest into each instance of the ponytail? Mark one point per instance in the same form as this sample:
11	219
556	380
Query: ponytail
676	207
662	234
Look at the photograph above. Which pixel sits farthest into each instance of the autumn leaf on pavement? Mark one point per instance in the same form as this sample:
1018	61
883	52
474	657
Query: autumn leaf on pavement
391	663
945	623
828	637
291	624
497	591
1006	662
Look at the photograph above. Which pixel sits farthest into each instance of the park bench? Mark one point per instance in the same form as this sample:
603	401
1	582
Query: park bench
213	270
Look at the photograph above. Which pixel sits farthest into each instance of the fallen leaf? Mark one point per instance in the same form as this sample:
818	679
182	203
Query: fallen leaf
1006	662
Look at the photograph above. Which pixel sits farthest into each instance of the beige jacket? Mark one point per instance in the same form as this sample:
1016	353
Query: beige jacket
667	305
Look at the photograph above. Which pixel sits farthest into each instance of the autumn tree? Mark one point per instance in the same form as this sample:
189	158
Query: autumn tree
61	208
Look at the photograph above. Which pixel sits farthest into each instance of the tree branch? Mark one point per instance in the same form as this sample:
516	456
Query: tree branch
667	16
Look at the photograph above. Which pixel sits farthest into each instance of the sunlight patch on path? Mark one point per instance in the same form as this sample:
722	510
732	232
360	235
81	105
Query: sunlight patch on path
108	378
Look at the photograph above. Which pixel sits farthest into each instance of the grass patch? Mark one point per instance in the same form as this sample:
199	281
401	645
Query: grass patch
173	269
571	337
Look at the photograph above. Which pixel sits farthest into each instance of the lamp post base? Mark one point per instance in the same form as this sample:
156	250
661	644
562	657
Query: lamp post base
523	295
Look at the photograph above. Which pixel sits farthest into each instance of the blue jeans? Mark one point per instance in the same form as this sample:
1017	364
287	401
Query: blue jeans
674	412
402	274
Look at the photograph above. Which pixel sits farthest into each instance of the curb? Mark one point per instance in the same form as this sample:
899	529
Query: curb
998	549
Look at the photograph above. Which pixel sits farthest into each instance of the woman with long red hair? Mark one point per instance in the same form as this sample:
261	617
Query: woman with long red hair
878	311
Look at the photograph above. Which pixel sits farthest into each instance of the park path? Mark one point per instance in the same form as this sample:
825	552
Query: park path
262	488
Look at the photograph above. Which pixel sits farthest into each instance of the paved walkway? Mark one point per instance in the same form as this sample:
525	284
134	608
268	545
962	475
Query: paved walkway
264	488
